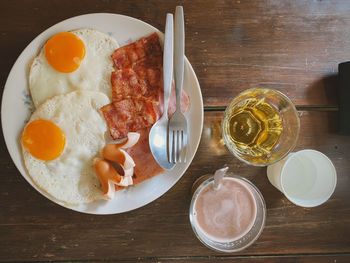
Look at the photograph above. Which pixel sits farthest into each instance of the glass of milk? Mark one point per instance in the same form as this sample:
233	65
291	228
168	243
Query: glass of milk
227	218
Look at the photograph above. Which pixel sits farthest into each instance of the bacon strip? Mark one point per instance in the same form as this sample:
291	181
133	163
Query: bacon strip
129	115
137	82
139	50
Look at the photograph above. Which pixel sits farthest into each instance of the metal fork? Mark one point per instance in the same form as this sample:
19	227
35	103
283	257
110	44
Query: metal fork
178	123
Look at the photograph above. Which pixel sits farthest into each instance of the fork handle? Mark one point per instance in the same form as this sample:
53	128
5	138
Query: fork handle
179	53
168	61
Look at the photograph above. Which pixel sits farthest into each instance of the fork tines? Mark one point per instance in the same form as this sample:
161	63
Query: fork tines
177	146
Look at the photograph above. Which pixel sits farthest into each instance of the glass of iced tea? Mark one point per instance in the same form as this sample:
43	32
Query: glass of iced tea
260	126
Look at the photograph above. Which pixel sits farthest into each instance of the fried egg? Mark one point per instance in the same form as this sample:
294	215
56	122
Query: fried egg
43	139
79	59
61	139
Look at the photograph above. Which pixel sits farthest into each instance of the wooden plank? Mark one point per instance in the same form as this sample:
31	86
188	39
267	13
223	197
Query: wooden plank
293	46
270	259
238	259
33	228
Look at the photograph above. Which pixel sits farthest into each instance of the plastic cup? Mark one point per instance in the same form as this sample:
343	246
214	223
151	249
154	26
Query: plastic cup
307	178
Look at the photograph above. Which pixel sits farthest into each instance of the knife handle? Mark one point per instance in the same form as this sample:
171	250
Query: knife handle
179	53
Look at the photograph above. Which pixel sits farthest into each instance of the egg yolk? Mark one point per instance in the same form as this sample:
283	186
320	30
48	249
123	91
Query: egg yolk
64	52
43	139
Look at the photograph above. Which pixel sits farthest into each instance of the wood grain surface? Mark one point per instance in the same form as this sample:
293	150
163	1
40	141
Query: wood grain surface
43	230
271	259
292	46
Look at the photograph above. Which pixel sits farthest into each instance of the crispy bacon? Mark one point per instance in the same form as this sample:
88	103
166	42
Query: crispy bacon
137	82
139	50
136	87
126	84
128	115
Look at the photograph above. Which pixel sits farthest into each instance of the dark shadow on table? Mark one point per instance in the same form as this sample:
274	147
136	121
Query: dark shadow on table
324	89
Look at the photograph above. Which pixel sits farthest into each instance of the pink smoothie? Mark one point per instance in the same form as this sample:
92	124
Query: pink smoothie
225	214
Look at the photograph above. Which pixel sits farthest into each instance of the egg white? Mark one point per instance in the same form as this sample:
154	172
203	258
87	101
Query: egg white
70	178
94	72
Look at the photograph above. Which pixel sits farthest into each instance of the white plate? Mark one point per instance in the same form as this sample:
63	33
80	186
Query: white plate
17	107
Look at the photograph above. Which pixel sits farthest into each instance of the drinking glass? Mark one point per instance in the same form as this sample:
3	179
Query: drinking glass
260	126
247	238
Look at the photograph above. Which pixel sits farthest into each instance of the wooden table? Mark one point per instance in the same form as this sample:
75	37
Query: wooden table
292	46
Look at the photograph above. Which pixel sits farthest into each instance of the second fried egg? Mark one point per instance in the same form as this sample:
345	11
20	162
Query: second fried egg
63	136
